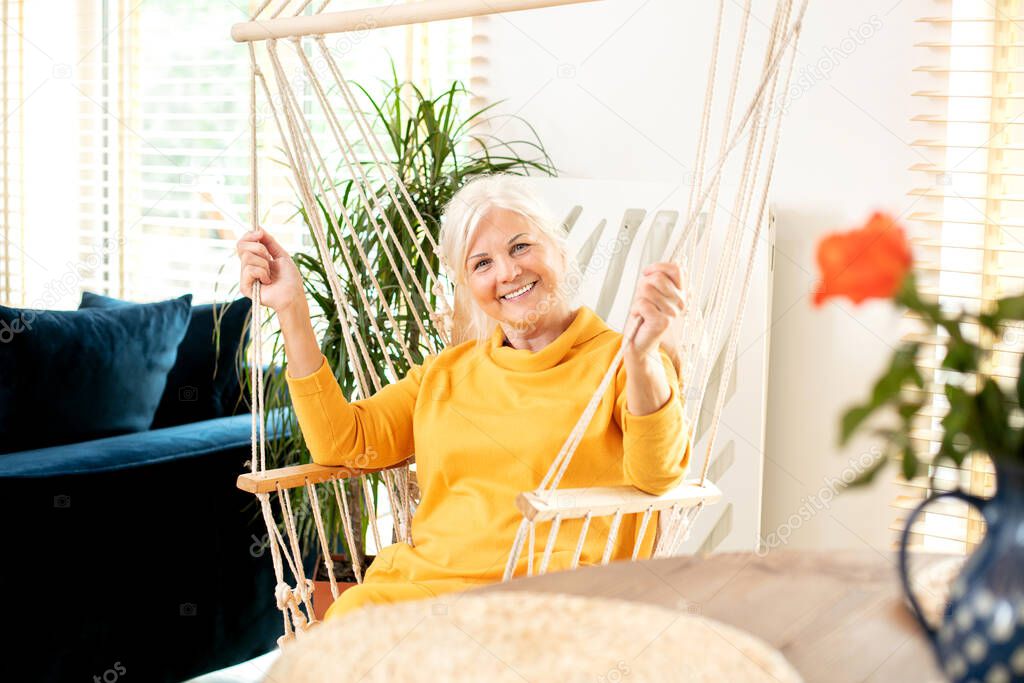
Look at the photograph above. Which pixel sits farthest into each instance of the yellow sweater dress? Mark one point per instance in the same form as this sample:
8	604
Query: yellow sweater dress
485	422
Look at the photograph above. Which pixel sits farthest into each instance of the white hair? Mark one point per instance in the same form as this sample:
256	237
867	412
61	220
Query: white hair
460	222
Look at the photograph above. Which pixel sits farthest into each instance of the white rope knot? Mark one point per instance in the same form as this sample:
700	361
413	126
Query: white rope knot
307	585
285	596
443	317
289	601
438	290
441	259
443	320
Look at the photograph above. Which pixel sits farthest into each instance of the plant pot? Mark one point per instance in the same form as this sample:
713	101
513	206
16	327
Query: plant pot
343	575
982	632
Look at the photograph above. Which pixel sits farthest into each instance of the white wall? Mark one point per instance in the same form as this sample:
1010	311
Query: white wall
856	127
614	90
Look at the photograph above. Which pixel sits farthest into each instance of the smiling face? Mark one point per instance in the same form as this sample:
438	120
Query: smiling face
513	270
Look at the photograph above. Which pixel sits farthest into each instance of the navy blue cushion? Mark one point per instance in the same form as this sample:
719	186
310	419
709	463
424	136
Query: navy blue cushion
203	384
69	376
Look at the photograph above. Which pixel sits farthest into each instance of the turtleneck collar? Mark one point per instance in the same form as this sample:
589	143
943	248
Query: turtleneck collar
585	326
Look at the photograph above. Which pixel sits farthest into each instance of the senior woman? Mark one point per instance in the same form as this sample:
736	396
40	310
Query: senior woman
486	417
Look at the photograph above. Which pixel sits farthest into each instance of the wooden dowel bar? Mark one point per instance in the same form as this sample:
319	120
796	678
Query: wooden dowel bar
643	529
297	475
613	535
601	501
550	545
369	18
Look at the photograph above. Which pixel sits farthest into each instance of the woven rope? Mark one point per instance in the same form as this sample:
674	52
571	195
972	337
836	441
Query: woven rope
582	538
721	290
366	199
318	237
341	498
733	342
314	502
302	585
372	509
302	137
705	119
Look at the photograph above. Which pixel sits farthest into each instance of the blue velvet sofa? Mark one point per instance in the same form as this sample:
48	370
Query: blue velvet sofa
134	556
129	553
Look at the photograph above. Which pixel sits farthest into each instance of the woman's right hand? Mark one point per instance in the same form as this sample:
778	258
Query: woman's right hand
264	259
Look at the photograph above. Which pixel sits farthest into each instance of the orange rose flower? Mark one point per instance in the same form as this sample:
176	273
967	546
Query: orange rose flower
866	263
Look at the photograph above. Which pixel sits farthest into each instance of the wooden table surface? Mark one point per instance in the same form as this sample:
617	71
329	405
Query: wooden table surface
836	616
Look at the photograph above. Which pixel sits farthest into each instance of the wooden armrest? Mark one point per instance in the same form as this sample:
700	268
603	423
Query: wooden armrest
298	475
607	500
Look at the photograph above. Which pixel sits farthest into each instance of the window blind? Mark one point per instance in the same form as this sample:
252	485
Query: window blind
12	144
159	105
193	163
164	163
967	227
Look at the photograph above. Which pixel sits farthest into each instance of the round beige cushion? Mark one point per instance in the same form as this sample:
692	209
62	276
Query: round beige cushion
519	636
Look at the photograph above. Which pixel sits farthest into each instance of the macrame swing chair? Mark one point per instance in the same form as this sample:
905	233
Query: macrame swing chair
721	288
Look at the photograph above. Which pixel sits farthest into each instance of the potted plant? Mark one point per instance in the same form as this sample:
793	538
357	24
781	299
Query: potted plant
436	146
982	630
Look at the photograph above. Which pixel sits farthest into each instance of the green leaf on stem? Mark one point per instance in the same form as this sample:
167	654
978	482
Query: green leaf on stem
991	418
868	475
955	424
1010	308
852	419
910	462
901	371
908	410
1020	382
961	356
908	296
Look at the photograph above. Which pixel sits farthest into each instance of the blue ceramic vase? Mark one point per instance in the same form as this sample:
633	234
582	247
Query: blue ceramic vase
981	637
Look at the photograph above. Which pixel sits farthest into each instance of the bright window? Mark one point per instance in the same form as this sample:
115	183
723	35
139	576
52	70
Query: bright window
968	218
137	117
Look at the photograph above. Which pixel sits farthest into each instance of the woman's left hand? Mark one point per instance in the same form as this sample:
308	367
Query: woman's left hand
660	301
